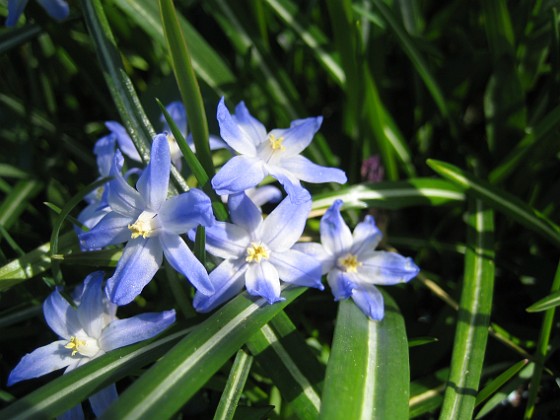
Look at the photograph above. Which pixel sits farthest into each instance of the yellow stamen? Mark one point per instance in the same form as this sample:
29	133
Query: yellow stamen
350	263
276	143
75	344
144	225
256	252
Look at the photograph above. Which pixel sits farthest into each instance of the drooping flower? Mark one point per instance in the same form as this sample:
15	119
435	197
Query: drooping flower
276	153
151	224
57	9
353	265
258	253
86	332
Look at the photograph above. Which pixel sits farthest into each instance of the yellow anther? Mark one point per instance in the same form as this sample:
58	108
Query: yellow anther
350	263
144	225
256	252
74	344
276	143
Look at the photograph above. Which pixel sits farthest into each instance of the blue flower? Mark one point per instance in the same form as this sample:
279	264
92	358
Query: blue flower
276	153
353	265
87	332
57	9
257	253
152	225
178	113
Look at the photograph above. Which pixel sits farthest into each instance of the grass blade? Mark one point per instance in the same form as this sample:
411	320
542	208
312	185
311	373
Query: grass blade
551	301
171	382
17	200
367	373
236	381
499	200
475	307
499	381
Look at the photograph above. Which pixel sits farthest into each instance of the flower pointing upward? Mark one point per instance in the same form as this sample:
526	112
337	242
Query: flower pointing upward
276	153
152	225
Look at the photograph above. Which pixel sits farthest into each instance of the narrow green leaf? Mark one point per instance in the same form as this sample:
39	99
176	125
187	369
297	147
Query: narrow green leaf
188	85
172	381
35	262
234	386
310	35
499	381
123	93
10	171
394	195
551	301
17	200
70	389
367	373
475	308
499	200
206	62
283	353
17	36
103	258
542	350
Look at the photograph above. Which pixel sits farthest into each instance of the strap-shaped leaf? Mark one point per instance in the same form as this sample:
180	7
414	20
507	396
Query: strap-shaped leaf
368	371
171	382
234	386
473	316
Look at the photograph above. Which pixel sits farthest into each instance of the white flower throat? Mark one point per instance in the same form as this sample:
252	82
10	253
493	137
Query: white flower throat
256	252
84	345
349	263
144	226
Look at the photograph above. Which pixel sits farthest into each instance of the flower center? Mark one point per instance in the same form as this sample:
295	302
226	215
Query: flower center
99	192
350	263
74	344
144	226
276	143
256	252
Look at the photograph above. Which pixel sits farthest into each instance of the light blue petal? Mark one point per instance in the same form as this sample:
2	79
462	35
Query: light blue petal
227	279
183	260
122	198
297	268
15	9
238	132
335	234
123	332
104	151
244	212
284	226
60	316
366	236
288	180
57	9
318	252
41	361
75	413
154	181
123	139
249	125
186	211
299	135
91	310
225	240
370	300
110	230
178	114
216	143
307	171
341	284
265	194
261	279
91	215
387	268
100	401
139	263
238	174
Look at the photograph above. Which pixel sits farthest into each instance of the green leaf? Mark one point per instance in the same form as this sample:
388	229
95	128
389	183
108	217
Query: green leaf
499	200
367	373
393	194
551	301
286	358
123	93
205	60
499	381
172	381
234	386
70	389
35	262
475	308
188	85
17	200
17	36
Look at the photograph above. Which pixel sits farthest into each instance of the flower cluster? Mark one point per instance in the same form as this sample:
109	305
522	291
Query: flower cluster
252	252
